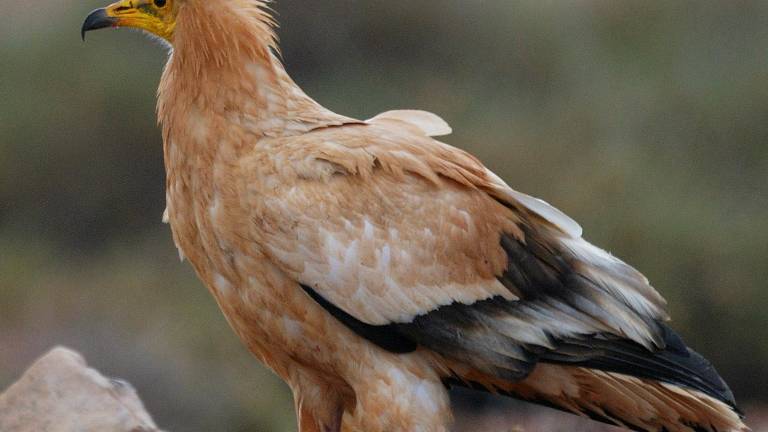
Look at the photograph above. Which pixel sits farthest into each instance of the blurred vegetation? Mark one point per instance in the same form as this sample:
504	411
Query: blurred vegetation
645	121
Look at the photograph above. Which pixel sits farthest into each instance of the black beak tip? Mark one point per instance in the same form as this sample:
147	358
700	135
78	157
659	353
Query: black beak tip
96	20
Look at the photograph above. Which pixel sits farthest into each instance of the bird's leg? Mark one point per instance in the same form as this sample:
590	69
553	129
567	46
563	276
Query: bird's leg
398	394
319	406
313	420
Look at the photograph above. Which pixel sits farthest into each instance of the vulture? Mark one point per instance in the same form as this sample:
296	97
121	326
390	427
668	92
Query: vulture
373	267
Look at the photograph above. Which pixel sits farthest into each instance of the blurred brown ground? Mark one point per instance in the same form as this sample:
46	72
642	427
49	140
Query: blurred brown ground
645	121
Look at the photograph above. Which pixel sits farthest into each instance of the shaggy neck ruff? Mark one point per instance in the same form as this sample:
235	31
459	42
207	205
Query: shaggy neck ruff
223	67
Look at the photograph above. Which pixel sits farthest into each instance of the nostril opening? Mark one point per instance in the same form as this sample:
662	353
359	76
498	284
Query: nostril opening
121	8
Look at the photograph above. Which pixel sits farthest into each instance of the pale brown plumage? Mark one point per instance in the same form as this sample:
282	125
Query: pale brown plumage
370	265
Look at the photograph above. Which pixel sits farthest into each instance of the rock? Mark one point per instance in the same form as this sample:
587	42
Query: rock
60	393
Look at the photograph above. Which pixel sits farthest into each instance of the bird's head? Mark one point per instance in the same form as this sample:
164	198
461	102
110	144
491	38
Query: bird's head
157	17
213	29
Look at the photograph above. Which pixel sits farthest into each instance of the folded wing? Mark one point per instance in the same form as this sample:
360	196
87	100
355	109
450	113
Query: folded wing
413	243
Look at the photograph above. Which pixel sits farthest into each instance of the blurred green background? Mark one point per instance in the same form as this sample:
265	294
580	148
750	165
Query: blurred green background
645	121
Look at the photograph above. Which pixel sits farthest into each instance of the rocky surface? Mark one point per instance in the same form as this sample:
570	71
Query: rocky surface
60	393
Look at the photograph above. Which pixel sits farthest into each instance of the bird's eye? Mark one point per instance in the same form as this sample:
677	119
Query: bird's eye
160	3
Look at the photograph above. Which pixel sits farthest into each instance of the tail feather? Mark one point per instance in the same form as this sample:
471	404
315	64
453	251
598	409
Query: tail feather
675	364
635	403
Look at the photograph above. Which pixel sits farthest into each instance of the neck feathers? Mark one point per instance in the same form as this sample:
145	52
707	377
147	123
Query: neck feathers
223	70
222	33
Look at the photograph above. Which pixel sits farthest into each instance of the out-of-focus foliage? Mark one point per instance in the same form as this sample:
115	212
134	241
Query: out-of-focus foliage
646	121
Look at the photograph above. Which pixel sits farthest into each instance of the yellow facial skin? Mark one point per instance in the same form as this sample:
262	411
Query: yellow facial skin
154	16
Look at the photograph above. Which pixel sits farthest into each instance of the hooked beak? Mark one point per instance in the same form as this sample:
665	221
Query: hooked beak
98	19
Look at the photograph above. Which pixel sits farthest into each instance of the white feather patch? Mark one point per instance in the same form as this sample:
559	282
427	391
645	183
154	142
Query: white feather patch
540	207
429	123
222	284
